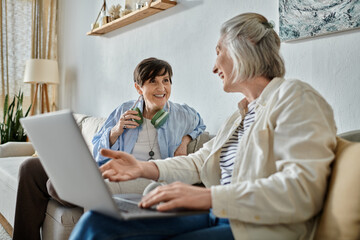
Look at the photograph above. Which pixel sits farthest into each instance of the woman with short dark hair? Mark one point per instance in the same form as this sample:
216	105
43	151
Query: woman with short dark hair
151	127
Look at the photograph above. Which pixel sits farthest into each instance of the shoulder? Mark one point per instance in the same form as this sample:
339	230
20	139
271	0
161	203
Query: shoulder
181	108
296	86
295	92
292	89
125	106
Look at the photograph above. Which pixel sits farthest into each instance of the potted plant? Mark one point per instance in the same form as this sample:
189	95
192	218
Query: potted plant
10	128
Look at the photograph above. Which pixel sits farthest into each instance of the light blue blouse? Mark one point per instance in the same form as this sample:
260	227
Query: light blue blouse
183	120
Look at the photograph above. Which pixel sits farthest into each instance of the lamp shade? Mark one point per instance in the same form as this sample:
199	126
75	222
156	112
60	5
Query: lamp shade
41	71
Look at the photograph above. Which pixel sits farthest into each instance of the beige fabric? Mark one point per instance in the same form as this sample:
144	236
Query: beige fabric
280	175
341	214
16	149
9	167
89	126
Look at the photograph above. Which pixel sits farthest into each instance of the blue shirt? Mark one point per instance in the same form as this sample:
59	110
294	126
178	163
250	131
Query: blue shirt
183	120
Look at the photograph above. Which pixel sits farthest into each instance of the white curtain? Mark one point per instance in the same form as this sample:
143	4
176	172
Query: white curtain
15	46
28	30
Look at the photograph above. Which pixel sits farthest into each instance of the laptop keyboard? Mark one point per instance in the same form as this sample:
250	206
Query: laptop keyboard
126	206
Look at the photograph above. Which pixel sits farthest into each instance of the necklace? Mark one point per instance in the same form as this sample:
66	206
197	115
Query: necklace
151	153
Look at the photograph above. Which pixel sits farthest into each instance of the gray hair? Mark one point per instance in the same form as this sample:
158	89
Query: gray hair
253	46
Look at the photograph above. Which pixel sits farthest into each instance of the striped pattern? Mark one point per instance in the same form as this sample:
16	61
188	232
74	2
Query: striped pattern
229	150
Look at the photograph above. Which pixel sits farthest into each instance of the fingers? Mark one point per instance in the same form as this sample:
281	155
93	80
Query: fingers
162	194
130	114
127	120
113	154
130	124
113	176
178	195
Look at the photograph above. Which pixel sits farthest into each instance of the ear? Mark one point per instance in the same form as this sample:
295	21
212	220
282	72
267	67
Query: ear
138	89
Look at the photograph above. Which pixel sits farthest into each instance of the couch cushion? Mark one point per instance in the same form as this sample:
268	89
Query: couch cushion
16	149
9	168
89	126
8	185
340	218
59	221
198	142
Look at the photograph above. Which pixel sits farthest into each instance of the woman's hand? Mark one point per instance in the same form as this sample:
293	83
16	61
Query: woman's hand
182	149
125	121
177	195
124	166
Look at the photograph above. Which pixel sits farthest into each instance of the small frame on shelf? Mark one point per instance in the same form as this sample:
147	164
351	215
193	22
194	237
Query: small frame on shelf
153	8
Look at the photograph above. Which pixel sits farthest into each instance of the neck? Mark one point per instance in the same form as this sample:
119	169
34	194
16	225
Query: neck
253	88
149	113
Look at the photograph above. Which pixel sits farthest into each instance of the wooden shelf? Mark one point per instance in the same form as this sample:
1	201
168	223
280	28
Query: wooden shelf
155	7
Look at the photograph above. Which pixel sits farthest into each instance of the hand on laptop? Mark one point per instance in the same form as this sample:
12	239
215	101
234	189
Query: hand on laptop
178	195
124	166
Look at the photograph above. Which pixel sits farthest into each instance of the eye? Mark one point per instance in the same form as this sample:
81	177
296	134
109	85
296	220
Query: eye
166	80
151	80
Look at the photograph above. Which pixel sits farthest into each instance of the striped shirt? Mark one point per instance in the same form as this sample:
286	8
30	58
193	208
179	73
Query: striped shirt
230	148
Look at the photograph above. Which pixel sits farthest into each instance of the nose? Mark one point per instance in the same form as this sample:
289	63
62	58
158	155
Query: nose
215	69
160	86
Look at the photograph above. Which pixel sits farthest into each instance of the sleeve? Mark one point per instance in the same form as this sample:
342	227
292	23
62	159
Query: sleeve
186	169
301	140
101	138
195	124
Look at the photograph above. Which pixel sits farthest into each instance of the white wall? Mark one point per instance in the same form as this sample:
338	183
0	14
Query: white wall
96	72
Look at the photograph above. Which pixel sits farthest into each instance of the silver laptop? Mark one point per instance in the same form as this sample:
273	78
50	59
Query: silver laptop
74	173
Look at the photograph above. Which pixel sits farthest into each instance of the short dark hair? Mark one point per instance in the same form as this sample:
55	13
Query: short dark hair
149	68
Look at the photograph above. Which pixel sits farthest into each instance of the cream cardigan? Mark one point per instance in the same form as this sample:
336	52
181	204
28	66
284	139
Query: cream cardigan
280	172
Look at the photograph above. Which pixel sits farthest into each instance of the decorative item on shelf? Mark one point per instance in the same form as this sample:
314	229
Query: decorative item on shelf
124	12
142	3
153	7
10	128
101	18
130	4
114	12
41	72
139	5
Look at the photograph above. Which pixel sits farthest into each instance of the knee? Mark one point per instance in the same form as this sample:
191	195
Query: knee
85	228
30	167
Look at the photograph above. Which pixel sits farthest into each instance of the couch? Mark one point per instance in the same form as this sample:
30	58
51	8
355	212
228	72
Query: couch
339	219
59	220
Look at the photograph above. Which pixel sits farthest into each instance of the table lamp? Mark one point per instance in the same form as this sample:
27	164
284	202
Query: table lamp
41	72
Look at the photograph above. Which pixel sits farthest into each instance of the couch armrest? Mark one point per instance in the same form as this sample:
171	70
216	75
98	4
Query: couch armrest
198	142
16	149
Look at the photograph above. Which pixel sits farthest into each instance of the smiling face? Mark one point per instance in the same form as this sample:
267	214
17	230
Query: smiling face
156	93
224	67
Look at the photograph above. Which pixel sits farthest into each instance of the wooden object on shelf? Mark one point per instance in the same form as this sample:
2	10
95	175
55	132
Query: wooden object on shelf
151	9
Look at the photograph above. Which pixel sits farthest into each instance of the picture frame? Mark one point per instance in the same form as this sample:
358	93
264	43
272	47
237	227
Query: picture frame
300	19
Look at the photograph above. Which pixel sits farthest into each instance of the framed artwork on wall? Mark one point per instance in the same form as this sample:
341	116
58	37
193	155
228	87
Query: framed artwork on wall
299	19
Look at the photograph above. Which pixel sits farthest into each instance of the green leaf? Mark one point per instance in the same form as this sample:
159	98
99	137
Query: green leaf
11	128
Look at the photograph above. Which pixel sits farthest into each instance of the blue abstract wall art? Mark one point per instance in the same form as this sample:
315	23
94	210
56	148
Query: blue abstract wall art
300	19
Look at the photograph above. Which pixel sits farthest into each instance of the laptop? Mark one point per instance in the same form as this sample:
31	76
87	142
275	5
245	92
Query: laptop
74	173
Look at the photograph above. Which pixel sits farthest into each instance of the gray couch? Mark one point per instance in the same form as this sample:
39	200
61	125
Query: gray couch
59	220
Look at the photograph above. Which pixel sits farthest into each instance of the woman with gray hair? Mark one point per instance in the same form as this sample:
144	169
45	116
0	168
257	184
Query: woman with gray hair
265	173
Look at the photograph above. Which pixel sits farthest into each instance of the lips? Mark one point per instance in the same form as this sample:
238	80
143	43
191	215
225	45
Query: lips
159	95
221	75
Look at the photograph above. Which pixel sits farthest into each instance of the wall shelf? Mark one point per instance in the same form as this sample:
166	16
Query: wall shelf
153	8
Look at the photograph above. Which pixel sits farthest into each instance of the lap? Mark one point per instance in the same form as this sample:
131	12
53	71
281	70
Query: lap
97	226
132	186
